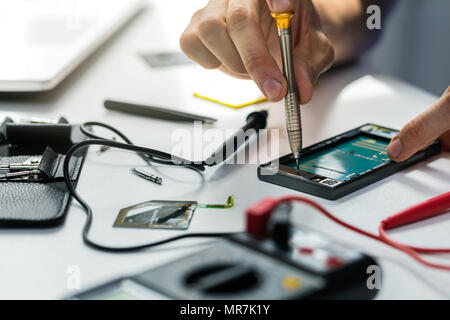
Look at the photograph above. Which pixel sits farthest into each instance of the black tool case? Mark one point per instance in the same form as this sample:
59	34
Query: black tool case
41	200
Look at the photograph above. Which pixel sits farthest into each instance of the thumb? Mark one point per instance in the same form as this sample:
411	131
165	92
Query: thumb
418	133
280	5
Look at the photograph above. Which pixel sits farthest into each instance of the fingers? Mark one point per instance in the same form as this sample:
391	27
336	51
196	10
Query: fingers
227	35
314	53
445	139
236	75
194	48
280	6
240	38
245	31
417	134
212	31
309	66
303	77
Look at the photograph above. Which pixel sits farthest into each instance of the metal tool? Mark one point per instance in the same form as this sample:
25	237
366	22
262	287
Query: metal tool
291	100
27	175
156	112
146	175
31	164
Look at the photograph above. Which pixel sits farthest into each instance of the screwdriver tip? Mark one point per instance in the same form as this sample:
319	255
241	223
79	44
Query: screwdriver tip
297	160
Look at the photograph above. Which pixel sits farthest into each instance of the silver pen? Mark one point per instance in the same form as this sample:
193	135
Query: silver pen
291	100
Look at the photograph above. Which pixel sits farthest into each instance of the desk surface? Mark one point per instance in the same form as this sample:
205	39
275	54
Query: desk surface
38	263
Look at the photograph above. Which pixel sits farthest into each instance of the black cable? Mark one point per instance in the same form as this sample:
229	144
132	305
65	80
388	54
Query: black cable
166	159
255	120
149	155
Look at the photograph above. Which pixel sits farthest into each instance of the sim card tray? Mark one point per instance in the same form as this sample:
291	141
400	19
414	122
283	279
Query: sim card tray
164	214
157	214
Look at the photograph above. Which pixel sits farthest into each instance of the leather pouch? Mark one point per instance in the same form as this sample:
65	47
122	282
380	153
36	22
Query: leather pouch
41	200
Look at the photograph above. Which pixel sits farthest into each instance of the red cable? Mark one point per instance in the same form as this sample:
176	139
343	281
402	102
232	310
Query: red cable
382	237
410	250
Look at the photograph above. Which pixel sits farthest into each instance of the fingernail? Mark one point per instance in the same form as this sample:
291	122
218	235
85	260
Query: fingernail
394	149
281	5
272	88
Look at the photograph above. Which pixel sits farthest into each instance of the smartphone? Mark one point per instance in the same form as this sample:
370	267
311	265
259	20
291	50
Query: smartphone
342	164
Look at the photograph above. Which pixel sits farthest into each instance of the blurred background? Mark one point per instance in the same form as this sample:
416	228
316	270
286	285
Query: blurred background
415	44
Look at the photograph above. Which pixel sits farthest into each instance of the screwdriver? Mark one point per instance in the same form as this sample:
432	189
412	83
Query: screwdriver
291	100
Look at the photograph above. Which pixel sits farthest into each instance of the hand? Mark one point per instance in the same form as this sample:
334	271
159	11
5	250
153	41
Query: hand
240	38
419	133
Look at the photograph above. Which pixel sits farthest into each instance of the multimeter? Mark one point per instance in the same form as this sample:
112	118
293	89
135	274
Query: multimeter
342	164
291	262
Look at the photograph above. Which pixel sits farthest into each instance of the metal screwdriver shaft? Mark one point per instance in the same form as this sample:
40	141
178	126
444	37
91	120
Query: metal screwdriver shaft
291	100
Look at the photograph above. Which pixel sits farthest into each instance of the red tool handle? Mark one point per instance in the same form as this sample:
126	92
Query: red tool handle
421	211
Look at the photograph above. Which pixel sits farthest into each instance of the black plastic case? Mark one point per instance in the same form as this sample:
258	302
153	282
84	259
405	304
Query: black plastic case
277	173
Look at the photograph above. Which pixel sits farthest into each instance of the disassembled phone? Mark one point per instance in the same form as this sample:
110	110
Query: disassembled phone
342	164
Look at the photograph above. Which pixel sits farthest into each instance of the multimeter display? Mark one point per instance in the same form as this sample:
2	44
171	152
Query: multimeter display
346	160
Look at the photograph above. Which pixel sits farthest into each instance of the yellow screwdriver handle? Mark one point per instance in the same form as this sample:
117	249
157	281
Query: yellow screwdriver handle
283	20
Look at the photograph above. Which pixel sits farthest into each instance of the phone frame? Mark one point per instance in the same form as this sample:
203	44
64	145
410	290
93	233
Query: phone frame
277	172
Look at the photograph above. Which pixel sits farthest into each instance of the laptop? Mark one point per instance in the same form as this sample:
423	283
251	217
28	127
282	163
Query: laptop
43	41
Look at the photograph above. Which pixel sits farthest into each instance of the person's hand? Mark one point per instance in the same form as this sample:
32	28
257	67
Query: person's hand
240	38
419	133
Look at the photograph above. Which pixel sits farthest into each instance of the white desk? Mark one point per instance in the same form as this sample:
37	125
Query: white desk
34	263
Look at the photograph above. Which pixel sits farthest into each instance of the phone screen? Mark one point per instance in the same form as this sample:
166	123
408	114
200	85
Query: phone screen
346	160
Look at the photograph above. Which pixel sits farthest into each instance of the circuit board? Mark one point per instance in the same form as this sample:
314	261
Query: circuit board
347	159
